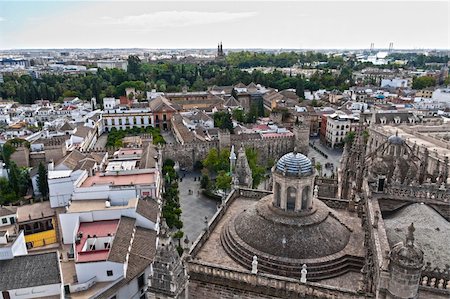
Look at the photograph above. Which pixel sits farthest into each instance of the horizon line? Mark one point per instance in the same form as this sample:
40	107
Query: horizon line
201	48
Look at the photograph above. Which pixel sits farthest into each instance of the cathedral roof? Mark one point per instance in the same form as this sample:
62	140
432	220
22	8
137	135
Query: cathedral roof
395	139
284	242
295	163
432	232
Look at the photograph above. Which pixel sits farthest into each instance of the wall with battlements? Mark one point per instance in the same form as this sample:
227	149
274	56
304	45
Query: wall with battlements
267	148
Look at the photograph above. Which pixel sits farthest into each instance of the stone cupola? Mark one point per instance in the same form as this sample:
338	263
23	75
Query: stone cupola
293	182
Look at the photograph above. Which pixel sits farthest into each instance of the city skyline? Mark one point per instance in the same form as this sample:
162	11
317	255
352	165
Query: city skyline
254	25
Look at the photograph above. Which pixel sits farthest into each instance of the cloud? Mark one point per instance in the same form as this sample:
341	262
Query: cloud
172	19
2	19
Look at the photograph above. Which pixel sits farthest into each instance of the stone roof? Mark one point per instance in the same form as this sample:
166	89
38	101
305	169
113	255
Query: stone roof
66	127
37	210
314	236
186	135
86	164
71	160
432	232
295	163
142	253
232	102
148	209
148	159
82	131
30	271
122	240
289	94
7	210
160	103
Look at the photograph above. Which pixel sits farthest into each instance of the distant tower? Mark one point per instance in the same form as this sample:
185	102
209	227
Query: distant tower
220	53
405	267
242	172
391	47
371	47
168	278
301	132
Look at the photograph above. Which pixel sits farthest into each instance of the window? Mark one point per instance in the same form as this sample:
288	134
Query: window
107	245
141	281
109	272
4	220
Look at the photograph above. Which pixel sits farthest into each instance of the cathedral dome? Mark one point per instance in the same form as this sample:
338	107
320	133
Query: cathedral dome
395	139
295	163
283	242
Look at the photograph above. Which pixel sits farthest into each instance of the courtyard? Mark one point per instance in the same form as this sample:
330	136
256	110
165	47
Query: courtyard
194	205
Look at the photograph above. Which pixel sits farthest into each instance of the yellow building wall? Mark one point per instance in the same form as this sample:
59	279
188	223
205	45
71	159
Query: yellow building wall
42	238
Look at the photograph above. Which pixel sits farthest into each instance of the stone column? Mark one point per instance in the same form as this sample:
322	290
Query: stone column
312	195
283	196
298	198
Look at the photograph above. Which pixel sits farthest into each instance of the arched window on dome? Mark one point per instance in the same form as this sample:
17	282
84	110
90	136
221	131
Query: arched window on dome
277	194
291	196
305	195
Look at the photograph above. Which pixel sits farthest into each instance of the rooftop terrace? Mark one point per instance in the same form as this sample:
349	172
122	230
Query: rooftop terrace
119	180
89	233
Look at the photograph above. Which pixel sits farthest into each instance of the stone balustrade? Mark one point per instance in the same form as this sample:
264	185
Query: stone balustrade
418	193
265	284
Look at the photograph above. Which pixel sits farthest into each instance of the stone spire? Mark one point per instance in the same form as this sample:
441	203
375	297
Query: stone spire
243	172
410	235
406	262
232	159
168	278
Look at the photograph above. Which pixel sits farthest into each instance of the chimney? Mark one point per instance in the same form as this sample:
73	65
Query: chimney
51	165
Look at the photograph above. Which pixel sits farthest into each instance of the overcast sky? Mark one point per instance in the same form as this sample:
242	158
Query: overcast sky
186	24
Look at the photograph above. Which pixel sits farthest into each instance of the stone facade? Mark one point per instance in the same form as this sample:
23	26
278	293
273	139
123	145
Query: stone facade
268	149
289	189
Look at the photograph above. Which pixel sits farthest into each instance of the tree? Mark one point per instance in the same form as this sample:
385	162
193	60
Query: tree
204	182
223	181
258	171
349	137
318	167
14	177
7	194
300	88
217	161
239	115
42	180
423	82
223	120
7	150
134	66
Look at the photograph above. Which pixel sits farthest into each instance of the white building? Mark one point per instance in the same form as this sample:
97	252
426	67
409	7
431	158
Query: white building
124	119
31	276
442	95
111	244
397	83
112	64
117	186
337	126
61	186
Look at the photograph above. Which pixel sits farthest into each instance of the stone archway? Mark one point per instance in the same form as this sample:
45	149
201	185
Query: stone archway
306	193
291	197
277	194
